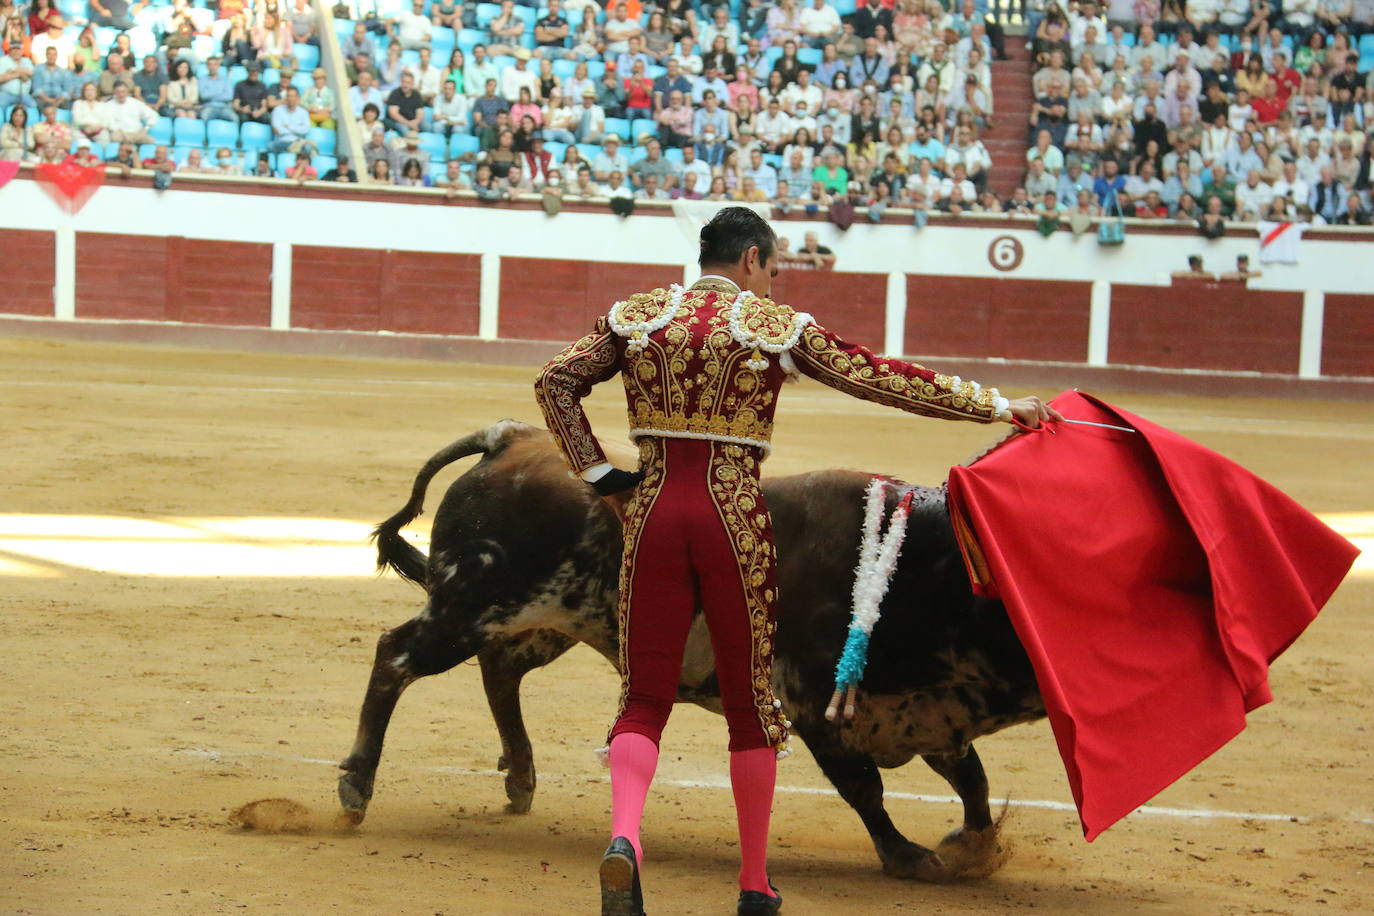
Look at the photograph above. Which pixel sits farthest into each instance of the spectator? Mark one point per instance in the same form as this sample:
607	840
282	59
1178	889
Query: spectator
380	173
302	170
360	42
86	114
1039	181
16	77
51	84
1049	112
404	106
1252	198
160	160
869	16
1221	187
1328	198
479	71
272	40
619	29
319	100
1073	181
591	119
412	175
1212	222
453	180
182	92
1144	181
250	97
610	160
451	111
376	149
427	77
343	171
487	186
412	29
16	137
675	122
820	24
870	65
126	119
650	189
1292	186
291	125
653	164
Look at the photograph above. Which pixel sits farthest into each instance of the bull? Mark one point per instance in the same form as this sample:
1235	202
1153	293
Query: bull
523	565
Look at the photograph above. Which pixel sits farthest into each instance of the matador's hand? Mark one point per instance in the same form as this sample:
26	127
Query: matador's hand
1030	411
618	502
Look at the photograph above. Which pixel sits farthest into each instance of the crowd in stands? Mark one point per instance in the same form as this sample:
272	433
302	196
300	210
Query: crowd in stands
1203	110
1199	110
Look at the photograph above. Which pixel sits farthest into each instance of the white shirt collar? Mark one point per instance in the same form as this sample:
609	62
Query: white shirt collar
718	277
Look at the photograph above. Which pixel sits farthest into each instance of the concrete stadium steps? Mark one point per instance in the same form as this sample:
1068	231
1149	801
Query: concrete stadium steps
1012	97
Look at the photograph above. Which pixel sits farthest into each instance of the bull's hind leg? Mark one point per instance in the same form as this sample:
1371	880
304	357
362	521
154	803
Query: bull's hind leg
405	654
856	777
974	849
505	662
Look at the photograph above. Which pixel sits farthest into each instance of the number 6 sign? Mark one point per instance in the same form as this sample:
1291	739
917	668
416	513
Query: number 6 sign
1005	253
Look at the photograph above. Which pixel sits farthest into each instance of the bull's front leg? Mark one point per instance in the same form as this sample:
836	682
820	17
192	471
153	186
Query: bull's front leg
505	662
856	777
975	848
417	648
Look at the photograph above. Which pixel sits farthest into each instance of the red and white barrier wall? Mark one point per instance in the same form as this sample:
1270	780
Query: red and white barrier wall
321	259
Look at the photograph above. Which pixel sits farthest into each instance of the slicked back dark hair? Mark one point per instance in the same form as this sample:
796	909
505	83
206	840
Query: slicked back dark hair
732	232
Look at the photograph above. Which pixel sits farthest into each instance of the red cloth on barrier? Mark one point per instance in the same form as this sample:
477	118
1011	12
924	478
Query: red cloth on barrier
7	171
69	183
1151	581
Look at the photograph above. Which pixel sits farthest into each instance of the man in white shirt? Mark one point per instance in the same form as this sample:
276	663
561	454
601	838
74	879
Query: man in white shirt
1311	163
1202	14
970	153
1292	185
478	70
774	126
1318	131
1233	15
1185	73
126	118
414	27
53	37
820	24
720	24
691	165
426	77
1139	185
1300	14
1147	45
620	29
803	90
513	79
451	111
1087	15
1252	198
958	178
764	175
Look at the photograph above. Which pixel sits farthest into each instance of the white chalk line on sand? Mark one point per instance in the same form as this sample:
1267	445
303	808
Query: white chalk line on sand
1042	804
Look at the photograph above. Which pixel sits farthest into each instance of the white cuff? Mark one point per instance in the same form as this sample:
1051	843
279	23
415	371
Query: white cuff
597	471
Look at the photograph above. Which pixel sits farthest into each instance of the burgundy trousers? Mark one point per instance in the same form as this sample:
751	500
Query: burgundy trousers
698	534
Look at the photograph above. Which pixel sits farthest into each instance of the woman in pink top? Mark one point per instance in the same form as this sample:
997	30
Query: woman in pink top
742	87
526	108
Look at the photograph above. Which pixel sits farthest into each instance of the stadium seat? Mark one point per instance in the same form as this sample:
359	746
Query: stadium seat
502	61
589	151
254	135
344	29
271	76
1366	45
654	71
526	13
460	144
410	59
619	126
179	154
303	80
307	56
486	12
596	69
564	69
442	42
146	151
673	155
237	74
64	116
324	139
642	126
161	132
809	56
637	154
110	151
846	7
222	133
188	132
773	159
435	145
324	164
470	38
555	149
282	162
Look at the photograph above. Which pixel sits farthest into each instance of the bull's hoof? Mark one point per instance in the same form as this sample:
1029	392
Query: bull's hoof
355	791
521	797
916	863
973	853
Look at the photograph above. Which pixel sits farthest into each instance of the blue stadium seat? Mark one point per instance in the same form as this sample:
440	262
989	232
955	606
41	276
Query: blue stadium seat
564	69
1366	45
773	159
459	144
254	135
618	126
596	69
809	56
654	71
1366	61
502	61
555	149
442	42
637	154
222	133
64	116
146	151
324	164
526	13
435	145
845	7
237	74
161	132
589	151
410	58
307	56
282	162
468	38
110	151
324	139
188	132
344	29
486	12
673	155
271	76
642	126
302	80
179	154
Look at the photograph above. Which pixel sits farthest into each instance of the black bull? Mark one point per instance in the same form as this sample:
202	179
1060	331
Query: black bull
524	563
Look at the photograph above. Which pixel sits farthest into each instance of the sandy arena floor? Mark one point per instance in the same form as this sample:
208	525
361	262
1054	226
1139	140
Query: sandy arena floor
172	653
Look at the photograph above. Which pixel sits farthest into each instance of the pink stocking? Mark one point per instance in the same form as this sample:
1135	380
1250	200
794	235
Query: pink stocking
634	757
753	774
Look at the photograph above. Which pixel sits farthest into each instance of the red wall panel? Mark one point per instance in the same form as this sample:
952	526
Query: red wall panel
363	289
557	300
997	317
1201	325
30	257
1348	335
852	305
157	278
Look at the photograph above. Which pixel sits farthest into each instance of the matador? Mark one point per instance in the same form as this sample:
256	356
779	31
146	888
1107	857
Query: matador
702	369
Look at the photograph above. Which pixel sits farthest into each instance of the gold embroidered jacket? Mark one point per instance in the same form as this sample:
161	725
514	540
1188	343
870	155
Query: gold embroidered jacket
708	363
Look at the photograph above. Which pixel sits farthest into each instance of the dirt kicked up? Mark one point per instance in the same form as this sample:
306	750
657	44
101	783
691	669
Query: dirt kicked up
189	614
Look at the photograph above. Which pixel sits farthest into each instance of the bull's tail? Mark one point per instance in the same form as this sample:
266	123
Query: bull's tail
394	551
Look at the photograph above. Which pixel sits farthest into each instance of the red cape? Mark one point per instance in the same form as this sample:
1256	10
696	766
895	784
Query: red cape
1151	581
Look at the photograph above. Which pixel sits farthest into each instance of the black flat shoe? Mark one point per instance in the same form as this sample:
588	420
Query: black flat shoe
620	893
757	903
